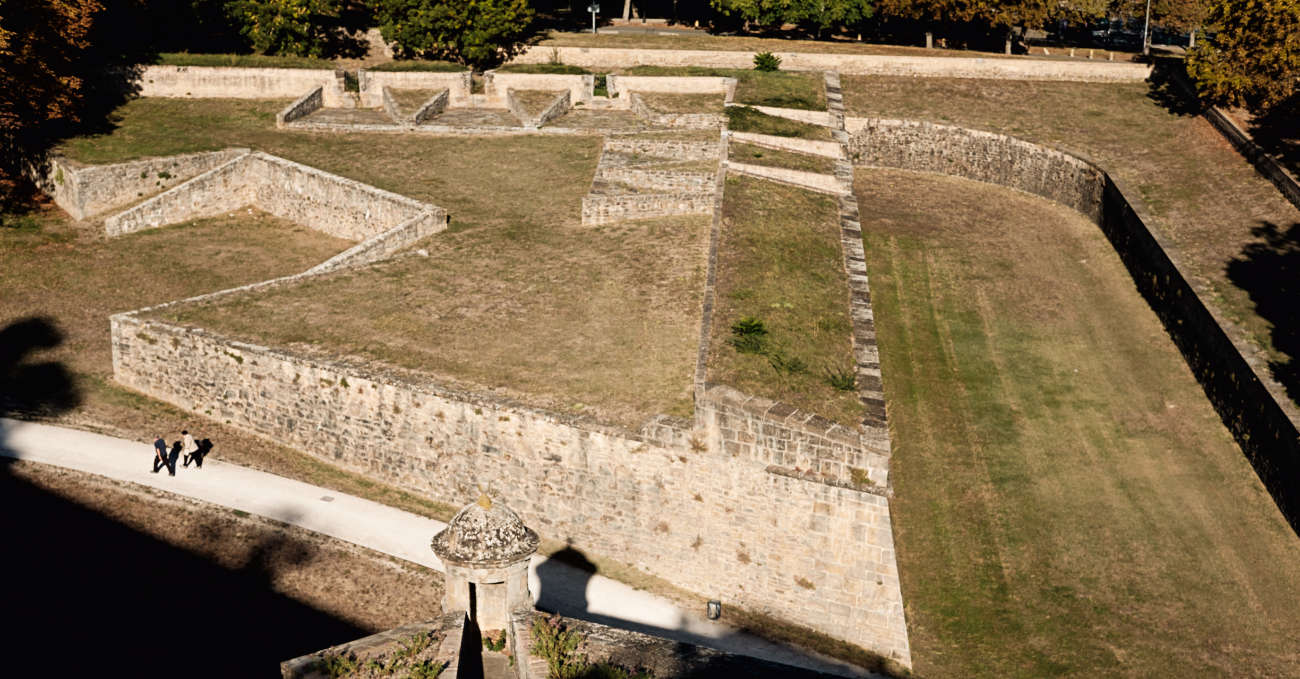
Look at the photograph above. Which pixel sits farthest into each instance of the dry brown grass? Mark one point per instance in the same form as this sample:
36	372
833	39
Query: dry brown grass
536	101
758	155
780	261
593	320
410	101
1060	478
1205	198
683	103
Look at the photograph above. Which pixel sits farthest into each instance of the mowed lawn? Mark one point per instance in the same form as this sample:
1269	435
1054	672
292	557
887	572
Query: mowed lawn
1066	500
1232	229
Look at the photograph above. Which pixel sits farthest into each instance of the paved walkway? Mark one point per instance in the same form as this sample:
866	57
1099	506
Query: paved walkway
383	529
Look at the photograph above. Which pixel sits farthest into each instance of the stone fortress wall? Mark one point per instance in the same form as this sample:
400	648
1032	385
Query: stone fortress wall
1254	407
88	190
200	82
751	526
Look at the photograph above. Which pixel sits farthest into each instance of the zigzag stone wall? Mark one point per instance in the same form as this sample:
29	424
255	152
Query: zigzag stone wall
740	526
88	190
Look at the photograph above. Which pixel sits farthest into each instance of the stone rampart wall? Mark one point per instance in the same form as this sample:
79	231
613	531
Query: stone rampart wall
580	87
664	148
371	85
622	85
301	107
328	203
1253	406
658	180
686	121
720	524
558	107
88	190
435	105
207	82
603	209
1016	68
826	149
215	192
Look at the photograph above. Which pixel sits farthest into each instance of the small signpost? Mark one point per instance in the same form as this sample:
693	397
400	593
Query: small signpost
594	8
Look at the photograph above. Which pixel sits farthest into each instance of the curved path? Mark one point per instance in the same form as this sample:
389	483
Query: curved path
558	588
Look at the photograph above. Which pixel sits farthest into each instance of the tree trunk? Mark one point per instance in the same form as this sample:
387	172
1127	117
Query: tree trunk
627	9
1191	39
929	40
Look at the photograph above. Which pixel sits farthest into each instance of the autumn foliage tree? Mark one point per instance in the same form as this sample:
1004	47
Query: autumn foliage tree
478	33
43	46
817	15
1253	58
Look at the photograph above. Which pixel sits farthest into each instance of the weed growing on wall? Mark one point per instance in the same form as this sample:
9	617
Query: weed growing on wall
558	645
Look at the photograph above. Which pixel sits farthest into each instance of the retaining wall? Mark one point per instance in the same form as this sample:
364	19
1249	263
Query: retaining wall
603	209
558	107
328	203
301	107
621	85
88	190
687	121
1253	406
579	86
724	525
827	149
1016	68
371	85
208	82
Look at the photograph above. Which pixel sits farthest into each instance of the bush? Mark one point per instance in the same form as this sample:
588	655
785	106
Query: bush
842	379
478	33
766	61
748	335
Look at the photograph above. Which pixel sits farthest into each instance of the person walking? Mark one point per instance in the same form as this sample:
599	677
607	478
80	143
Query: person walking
189	447
159	453
171	459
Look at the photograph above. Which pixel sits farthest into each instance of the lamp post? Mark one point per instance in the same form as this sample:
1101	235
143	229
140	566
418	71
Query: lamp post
1146	35
594	8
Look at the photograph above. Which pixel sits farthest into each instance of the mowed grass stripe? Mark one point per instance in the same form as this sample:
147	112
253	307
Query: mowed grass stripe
780	261
1051	521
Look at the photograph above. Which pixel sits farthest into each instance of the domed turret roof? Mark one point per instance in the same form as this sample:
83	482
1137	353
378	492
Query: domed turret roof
485	534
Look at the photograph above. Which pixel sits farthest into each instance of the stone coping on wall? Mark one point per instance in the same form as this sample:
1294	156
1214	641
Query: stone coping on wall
1012	67
812	147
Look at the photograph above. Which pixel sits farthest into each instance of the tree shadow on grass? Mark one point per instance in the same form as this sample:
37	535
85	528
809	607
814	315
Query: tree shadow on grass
1269	271
1167	92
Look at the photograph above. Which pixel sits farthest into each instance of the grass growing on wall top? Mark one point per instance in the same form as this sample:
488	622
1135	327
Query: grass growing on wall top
1060	479
559	69
419	65
785	89
741	152
1231	228
749	119
242	60
780	261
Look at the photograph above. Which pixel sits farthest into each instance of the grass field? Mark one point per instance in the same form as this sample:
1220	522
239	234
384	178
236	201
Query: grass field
779	261
749	119
1231	226
683	103
785	89
1066	500
243	60
600	321
758	155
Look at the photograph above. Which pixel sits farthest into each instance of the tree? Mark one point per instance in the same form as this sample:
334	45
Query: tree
295	27
43	44
1253	59
999	16
475	32
818	15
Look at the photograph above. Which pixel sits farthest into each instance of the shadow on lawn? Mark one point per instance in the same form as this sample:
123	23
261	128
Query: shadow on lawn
88	595
1269	271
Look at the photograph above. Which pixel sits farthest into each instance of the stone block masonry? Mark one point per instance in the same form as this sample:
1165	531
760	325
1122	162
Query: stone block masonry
1014	68
1255	408
209	82
371	85
84	191
638	177
340	207
301	107
722	525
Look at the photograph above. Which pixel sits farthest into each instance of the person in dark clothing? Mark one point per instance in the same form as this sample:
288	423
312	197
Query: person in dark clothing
203	448
171	459
159	453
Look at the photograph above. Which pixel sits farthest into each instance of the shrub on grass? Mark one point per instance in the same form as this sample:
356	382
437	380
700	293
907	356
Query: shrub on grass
842	379
748	335
766	62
